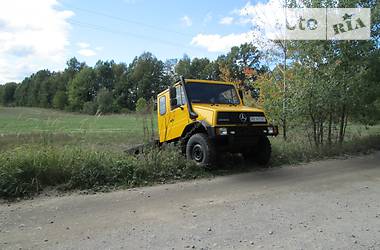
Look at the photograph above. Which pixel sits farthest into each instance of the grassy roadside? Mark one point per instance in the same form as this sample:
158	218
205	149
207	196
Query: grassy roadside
296	152
27	170
45	148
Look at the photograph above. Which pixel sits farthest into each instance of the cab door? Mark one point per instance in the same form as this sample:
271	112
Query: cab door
163	115
178	116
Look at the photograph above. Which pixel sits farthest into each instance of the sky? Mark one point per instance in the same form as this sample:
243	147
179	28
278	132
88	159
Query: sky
44	34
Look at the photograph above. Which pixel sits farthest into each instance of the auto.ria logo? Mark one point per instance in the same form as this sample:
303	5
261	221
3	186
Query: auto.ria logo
348	24
323	24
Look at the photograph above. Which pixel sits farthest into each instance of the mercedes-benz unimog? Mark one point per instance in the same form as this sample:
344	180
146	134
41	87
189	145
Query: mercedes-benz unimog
209	118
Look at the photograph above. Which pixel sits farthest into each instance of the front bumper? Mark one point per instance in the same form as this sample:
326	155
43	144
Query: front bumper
243	131
238	138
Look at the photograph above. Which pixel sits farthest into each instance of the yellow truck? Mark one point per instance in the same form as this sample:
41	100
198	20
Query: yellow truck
209	118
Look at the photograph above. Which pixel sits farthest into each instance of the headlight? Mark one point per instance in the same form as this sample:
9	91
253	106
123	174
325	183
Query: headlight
270	130
222	131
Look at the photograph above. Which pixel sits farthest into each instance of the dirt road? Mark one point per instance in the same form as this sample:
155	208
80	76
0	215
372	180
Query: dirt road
332	204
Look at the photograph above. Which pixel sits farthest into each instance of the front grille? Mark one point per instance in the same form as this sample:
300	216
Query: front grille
225	118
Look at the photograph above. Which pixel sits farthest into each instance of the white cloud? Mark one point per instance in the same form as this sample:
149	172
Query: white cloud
87	52
33	36
269	17
218	43
226	20
261	20
186	21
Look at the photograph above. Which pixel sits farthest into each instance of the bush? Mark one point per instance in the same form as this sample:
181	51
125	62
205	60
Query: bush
104	99
60	100
141	105
90	108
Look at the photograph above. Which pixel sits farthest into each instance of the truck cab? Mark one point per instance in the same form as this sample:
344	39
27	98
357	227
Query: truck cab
209	117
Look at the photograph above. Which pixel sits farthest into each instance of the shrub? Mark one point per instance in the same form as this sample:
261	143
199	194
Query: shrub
60	100
104	99
90	108
141	105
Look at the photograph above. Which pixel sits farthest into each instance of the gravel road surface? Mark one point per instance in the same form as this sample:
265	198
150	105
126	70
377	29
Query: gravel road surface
332	204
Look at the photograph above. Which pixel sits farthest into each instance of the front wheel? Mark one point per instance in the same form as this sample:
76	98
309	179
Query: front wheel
261	153
200	149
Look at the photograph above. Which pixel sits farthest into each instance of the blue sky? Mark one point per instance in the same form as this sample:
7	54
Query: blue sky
44	34
165	28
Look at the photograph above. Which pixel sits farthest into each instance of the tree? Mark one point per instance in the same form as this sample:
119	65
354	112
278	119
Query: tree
60	100
1	94
169	75
73	67
83	88
183	67
104	74
124	91
104	99
8	94
146	75
237	60
198	68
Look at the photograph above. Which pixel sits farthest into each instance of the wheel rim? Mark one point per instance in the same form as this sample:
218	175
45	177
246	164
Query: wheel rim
197	153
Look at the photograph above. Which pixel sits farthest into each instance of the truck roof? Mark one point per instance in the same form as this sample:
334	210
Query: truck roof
199	81
208	81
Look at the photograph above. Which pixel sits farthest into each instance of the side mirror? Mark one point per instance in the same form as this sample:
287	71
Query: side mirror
255	93
173	102
172	93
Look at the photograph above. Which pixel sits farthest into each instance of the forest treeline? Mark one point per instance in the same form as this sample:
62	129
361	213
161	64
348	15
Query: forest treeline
116	87
324	84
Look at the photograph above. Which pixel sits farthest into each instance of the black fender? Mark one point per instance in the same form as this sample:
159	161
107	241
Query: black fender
198	127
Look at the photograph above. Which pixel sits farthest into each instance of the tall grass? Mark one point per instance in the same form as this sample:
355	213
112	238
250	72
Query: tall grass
297	151
27	170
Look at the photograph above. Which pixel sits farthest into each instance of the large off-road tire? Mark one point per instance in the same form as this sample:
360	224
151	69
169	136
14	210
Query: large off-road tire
261	153
201	150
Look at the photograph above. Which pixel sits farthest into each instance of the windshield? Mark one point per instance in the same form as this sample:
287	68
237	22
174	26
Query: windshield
212	93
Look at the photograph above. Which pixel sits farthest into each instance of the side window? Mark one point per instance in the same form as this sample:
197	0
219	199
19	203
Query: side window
180	96
162	105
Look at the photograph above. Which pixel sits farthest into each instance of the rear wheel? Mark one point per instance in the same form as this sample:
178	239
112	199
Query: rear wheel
260	153
200	149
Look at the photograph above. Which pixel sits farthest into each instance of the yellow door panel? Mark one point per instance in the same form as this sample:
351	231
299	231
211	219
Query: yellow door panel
179	115
178	119
163	112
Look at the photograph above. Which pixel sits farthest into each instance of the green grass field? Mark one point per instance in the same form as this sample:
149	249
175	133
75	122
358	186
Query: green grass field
20	126
33	125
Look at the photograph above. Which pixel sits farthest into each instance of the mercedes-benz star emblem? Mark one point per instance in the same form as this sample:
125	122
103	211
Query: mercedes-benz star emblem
243	117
